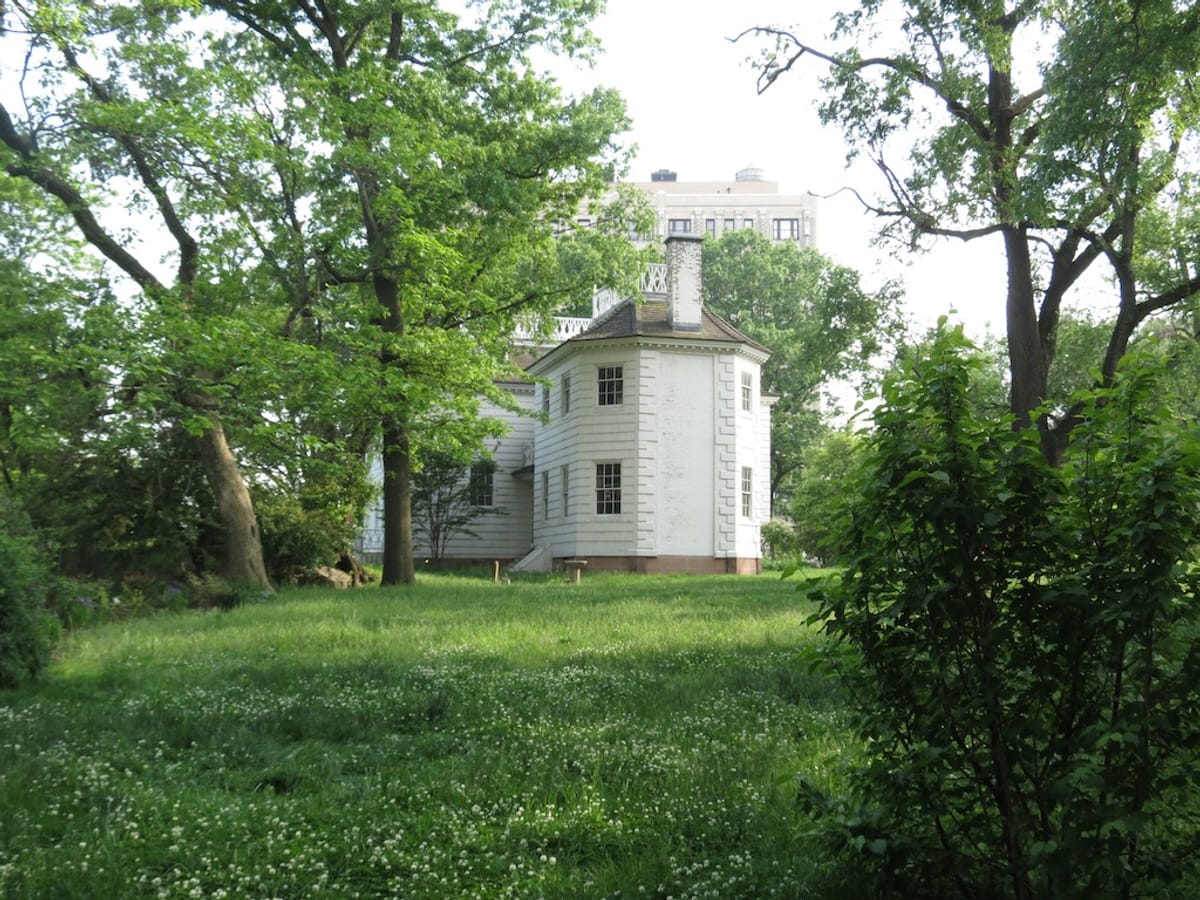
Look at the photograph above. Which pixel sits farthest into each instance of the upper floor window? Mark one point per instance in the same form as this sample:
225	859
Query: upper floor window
710	227
610	384
545	400
728	225
608	489
785	229
747	492
565	392
747	223
747	391
679	226
483	483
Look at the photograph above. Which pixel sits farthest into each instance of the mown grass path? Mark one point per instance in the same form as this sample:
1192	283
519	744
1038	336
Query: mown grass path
628	736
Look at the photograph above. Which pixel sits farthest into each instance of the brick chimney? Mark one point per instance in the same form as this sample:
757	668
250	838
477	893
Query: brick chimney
683	282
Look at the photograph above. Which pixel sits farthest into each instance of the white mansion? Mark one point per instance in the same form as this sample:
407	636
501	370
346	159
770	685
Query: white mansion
652	453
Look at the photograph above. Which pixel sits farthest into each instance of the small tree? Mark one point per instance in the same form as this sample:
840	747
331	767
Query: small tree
448	495
1025	666
24	643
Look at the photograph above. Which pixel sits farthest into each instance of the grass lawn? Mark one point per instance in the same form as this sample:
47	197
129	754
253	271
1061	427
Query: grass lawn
628	736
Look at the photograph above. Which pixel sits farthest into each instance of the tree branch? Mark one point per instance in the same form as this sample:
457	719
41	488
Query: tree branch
30	169
188	249
772	71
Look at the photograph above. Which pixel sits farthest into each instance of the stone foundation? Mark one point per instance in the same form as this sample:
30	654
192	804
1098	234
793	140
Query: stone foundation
671	565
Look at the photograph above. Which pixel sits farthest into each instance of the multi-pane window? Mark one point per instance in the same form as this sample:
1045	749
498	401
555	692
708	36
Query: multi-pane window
545	495
710	227
546	400
608	489
747	391
679	226
610	385
565	475
747	223
728	225
482	483
565	392
747	491
637	234
785	229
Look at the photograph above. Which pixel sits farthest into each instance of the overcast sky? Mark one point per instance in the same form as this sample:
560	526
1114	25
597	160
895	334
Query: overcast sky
695	110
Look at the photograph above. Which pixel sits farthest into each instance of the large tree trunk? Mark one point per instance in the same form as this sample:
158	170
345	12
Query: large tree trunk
398	565
243	559
1026	352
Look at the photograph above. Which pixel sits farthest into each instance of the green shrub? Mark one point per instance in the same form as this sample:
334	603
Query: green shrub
819	487
1025	669
24	636
296	538
779	540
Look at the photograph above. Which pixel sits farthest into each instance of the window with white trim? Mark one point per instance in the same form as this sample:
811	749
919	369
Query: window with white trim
565	475
545	495
747	391
482	483
610	385
608	488
679	226
546	400
565	393
747	492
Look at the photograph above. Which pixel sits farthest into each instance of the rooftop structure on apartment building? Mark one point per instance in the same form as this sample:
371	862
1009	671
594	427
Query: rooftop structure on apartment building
749	201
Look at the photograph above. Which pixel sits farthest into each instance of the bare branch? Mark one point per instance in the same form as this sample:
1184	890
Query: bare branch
772	71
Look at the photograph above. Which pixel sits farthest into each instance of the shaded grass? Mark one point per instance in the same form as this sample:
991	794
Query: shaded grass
628	736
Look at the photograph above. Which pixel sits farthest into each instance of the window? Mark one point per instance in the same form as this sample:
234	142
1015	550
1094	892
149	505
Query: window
785	229
610	383
583	222
637	234
747	390
728	225
545	400
710	227
565	392
565	475
679	226
545	495
482	483
608	489
747	223
747	491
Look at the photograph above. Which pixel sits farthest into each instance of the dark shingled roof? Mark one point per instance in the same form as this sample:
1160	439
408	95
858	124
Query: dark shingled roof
649	319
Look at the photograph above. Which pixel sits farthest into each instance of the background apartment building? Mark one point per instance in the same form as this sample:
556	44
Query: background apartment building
715	207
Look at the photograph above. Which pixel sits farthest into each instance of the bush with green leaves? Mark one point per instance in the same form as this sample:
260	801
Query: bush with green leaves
24	637
819	487
1021	646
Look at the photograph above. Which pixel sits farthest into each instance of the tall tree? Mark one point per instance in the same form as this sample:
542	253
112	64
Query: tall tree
814	315
440	161
1068	131
112	99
